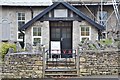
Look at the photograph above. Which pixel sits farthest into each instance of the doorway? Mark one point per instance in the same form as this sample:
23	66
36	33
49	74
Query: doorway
61	32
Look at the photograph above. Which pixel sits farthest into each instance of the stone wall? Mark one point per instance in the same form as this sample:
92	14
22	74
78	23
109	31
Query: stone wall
24	65
76	34
29	65
99	63
45	34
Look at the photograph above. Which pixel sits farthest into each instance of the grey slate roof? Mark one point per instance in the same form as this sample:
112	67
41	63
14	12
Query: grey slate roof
25	2
67	5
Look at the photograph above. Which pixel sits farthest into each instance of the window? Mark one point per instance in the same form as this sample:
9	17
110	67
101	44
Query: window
36	35
36	31
102	17
85	33
36	40
21	19
21	22
104	35
20	35
60	13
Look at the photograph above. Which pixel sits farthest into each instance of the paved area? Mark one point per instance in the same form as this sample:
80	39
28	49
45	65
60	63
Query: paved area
113	77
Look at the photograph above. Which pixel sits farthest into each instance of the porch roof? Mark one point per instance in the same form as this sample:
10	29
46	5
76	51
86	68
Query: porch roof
67	5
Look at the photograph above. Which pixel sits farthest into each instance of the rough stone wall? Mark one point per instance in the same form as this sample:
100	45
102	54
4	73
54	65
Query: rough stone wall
99	63
28	36
93	30
27	65
76	34
37	10
94	34
10	15
45	34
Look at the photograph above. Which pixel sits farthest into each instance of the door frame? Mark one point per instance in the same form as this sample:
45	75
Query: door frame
71	27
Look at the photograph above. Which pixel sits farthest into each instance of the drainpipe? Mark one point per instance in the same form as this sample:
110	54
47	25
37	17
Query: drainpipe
31	12
99	35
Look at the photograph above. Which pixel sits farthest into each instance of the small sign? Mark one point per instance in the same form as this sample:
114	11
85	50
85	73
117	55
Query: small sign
55	47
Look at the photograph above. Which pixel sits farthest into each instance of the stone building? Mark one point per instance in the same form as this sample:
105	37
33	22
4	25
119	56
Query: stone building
14	14
53	23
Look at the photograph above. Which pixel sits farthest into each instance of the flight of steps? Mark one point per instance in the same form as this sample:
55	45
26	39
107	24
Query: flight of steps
60	69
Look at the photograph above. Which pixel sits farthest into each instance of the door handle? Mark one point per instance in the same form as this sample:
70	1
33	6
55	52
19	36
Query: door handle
61	39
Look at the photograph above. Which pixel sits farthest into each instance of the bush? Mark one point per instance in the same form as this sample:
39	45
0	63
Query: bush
4	48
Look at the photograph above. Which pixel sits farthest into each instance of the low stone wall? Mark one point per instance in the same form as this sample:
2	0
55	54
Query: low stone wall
22	65
99	63
30	65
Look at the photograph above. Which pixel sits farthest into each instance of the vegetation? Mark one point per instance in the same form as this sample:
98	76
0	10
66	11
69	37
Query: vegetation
5	47
106	41
98	44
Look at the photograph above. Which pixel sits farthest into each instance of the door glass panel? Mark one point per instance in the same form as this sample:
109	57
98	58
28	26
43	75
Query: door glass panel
64	36
58	30
58	36
68	36
55	33
63	30
68	30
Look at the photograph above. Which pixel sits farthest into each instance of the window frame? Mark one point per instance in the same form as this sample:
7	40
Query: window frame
36	36
59	16
21	20
18	39
84	26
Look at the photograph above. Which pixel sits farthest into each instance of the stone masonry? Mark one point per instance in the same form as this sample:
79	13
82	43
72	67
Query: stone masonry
24	65
99	63
91	62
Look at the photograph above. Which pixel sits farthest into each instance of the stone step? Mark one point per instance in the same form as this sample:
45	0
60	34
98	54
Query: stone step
61	67
61	74
60	70
57	72
60	64
60	61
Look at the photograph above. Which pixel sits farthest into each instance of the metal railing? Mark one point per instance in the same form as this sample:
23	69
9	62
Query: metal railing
57	56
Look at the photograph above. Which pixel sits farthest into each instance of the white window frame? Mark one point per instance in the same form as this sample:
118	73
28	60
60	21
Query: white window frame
89	37
18	35
60	10
18	26
36	36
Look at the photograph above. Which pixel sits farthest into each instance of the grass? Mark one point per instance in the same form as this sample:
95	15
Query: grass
106	42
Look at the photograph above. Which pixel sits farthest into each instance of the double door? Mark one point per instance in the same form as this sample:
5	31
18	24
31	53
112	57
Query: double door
62	33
